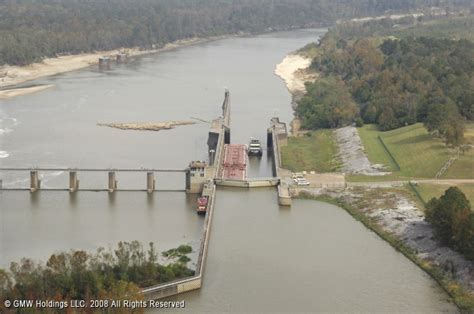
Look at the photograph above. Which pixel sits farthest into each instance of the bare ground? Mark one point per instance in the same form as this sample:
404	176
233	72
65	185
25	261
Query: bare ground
351	152
399	215
13	75
147	126
13	92
293	70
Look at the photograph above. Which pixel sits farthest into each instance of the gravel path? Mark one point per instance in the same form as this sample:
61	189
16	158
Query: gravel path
352	153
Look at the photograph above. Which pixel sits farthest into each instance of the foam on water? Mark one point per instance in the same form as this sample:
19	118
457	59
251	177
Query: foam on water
45	178
4	154
5	131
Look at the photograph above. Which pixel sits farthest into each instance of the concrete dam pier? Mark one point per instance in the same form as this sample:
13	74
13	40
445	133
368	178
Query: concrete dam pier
226	166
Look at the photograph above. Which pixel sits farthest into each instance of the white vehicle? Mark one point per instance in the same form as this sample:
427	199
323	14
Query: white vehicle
297	175
301	181
254	148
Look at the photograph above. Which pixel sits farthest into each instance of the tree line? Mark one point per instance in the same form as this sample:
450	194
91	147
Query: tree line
78	275
34	29
392	82
453	221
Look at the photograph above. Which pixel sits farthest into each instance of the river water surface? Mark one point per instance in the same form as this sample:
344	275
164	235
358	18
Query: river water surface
262	257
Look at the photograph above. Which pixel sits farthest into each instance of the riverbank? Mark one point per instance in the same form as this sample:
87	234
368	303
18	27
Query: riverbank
393	214
10	93
10	76
293	70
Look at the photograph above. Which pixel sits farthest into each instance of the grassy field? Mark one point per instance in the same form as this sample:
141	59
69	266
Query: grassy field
315	152
428	191
464	166
418	154
373	148
469	133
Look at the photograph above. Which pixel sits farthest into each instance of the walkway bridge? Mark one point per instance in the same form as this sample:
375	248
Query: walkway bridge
227	166
109	174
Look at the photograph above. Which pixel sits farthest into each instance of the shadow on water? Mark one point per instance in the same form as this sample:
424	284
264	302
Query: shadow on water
150	200
112	198
73	200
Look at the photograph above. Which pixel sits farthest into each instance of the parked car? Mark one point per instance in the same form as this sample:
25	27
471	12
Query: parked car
301	181
297	175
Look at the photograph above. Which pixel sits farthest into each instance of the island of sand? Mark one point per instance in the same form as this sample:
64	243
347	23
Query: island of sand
147	126
13	92
14	75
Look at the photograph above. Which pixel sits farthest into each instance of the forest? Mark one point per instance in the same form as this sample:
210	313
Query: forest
392	82
34	29
453	221
107	274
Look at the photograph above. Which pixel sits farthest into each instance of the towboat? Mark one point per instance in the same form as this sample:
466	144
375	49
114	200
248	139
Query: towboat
254	148
202	205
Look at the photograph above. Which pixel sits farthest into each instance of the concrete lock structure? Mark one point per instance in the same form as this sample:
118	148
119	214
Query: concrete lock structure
122	58
195	177
277	137
104	63
112	182
150	182
226	135
35	182
73	182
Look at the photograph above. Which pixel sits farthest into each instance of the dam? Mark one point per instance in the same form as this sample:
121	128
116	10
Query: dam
253	249
226	166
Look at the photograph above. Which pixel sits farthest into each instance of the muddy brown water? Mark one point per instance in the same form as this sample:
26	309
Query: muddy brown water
312	257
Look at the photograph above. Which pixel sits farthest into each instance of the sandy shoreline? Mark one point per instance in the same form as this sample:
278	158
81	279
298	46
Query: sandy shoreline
147	126
10	76
293	70
289	70
13	92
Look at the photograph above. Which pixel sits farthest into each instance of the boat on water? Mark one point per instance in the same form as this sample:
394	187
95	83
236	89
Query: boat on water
202	205
254	148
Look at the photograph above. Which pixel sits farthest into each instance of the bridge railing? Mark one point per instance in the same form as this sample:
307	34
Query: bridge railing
17	169
190	283
36	179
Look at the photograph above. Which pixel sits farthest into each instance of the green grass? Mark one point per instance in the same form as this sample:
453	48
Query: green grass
462	168
373	148
419	154
462	298
469	133
316	151
428	191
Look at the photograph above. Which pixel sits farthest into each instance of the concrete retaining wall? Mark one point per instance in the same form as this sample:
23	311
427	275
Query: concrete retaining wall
251	183
191	283
278	137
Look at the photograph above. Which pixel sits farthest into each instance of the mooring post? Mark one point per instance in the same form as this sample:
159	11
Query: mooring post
150	182
35	182
112	182
73	182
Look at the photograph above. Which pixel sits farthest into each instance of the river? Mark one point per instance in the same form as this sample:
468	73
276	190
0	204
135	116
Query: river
312	257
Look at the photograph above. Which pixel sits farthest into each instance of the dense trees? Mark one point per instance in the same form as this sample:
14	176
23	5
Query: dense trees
453	221
327	104
33	29
397	82
83	276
